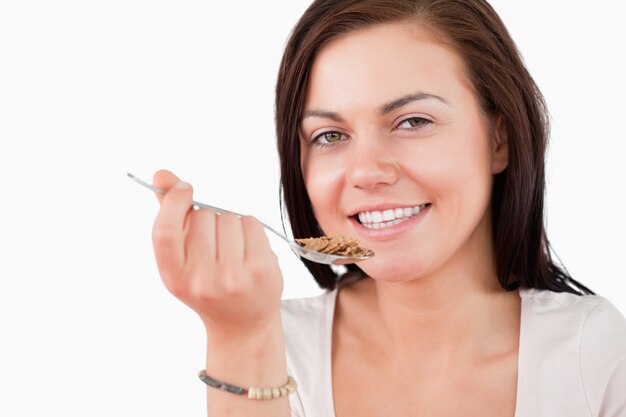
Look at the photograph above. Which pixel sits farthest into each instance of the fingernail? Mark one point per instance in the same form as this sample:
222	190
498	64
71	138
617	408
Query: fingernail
182	186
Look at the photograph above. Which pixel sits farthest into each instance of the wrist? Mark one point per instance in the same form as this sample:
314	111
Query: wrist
257	359
220	333
247	344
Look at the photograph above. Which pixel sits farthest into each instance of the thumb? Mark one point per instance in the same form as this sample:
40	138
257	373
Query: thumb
164	180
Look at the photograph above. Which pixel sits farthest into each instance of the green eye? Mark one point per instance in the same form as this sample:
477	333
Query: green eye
328	139
331	136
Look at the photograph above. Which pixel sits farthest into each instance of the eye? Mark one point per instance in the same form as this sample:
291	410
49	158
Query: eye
413	123
327	138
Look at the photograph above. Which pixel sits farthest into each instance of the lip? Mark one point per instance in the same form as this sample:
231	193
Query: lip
382	207
391	232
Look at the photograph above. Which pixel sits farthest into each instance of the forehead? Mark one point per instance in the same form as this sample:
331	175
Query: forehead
383	61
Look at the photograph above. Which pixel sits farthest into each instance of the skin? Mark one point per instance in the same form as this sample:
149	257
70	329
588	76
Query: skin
431	332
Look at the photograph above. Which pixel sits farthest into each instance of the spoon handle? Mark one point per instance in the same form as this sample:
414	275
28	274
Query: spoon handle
206	206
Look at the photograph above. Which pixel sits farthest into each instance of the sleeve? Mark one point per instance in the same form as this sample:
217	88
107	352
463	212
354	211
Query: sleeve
603	361
295	405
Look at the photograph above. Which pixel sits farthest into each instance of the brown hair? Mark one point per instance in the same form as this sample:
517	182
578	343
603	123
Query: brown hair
504	88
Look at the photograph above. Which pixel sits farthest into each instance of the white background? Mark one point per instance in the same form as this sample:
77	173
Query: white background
92	89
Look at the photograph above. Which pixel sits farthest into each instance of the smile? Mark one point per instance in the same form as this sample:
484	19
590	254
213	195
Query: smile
388	218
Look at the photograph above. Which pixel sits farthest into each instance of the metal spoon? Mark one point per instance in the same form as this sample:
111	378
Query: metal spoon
311	255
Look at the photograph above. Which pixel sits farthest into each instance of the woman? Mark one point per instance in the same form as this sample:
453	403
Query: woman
413	126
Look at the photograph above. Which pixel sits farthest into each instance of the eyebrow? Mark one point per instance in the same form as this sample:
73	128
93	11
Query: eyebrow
384	109
395	104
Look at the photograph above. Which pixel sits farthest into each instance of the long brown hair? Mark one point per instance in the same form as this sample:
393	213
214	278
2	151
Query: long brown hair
502	84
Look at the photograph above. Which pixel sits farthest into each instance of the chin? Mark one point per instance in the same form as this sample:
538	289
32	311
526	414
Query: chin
392	270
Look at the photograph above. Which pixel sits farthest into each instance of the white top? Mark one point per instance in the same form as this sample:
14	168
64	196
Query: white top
571	362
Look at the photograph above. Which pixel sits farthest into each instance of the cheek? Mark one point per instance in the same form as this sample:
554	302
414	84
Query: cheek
323	180
452	172
448	167
464	187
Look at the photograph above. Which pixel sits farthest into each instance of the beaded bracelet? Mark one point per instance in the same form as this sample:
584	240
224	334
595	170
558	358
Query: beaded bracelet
253	393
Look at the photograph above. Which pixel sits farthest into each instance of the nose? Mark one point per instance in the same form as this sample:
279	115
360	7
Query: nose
370	164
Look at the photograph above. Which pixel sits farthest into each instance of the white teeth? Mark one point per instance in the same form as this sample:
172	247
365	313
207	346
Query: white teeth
385	224
388	215
377	219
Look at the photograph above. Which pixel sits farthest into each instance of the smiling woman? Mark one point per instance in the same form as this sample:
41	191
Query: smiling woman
413	126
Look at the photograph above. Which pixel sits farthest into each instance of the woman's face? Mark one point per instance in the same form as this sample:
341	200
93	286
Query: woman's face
396	152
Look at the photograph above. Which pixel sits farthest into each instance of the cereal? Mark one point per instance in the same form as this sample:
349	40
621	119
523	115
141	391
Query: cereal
344	246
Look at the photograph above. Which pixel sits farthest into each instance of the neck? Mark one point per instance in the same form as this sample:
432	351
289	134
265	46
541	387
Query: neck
446	316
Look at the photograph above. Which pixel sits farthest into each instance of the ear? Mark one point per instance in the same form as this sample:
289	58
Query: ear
499	147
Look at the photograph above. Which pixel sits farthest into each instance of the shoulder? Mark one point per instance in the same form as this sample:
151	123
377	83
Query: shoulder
594	319
307	312
603	359
307	323
577	342
543	301
306	303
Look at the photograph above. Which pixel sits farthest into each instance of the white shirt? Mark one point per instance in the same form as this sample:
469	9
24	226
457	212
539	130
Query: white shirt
571	362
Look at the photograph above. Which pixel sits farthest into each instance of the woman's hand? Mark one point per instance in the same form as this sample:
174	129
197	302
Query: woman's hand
221	266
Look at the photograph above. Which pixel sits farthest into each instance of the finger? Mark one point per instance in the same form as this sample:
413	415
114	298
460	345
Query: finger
164	180
256	243
229	240
168	232
200	243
